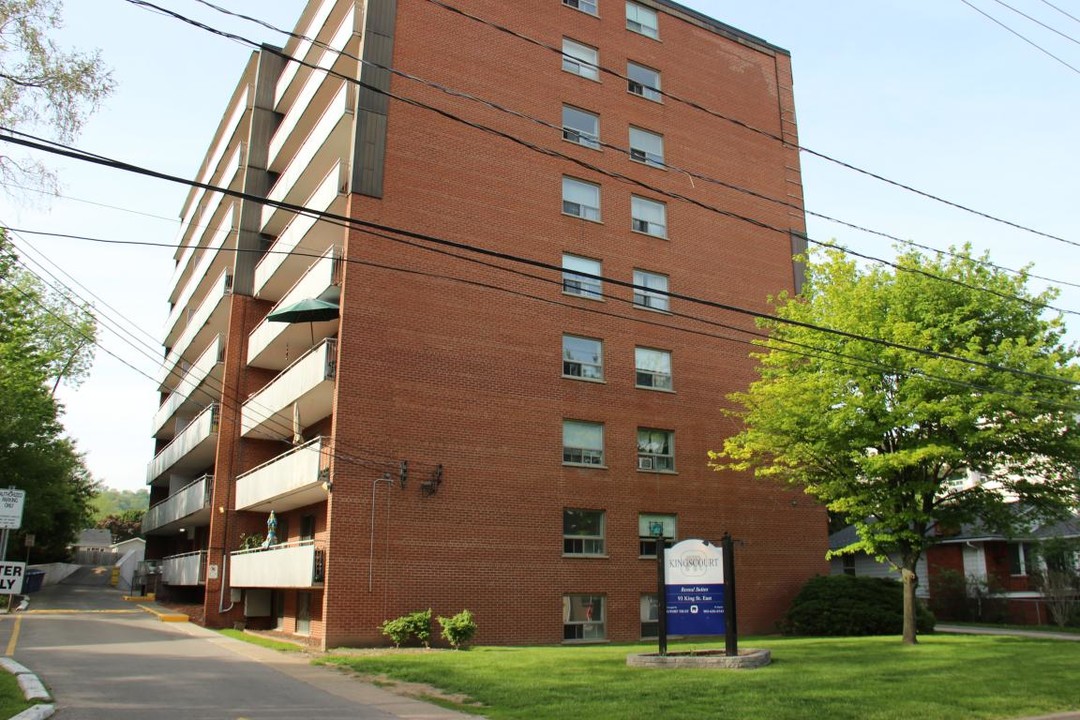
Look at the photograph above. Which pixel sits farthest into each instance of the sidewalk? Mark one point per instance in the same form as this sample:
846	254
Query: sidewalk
973	630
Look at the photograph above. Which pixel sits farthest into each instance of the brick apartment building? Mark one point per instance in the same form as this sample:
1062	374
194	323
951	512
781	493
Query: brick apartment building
547	415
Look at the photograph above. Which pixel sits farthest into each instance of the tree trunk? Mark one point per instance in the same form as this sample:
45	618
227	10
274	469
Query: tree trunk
909	578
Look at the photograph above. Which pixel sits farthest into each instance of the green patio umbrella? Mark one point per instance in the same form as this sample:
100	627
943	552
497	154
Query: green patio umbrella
309	310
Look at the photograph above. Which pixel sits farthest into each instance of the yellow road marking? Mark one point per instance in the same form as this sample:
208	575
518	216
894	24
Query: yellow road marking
79	612
14	637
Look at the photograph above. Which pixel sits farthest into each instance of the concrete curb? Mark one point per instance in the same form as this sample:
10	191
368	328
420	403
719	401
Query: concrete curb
33	689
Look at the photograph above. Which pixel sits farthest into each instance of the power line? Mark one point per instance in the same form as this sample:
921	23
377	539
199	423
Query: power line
66	151
581	163
1030	42
1063	12
763	132
1035	20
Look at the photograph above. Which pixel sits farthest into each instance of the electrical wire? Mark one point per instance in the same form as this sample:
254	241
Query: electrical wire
66	151
1030	42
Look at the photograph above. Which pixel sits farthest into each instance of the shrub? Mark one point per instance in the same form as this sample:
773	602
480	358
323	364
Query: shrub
458	630
414	626
841	605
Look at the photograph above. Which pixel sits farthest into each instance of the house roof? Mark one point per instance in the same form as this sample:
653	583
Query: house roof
971	532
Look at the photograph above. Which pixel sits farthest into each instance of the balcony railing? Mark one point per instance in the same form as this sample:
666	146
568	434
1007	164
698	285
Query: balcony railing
290	565
317	86
329	139
185	506
270	342
291	480
201	276
303	236
186	569
209	319
303	391
190	392
192	449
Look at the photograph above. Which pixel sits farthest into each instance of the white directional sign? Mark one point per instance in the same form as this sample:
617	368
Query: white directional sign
11	577
11	507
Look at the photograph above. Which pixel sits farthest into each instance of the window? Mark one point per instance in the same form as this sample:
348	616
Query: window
648	216
588	6
652	368
848	562
583	532
642	20
581	127
307	527
651	290
575	284
583	443
650	616
1019	558
643	81
580	59
581	199
655	450
583	617
582	358
646	147
652	526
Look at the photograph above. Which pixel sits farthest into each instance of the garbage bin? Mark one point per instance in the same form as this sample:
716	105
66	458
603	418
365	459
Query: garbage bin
32	581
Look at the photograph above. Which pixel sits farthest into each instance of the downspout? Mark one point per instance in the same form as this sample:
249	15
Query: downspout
371	543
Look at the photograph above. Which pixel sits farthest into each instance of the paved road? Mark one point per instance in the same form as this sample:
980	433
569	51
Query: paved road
106	659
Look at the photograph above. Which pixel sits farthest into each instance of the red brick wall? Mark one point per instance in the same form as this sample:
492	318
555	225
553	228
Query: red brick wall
442	372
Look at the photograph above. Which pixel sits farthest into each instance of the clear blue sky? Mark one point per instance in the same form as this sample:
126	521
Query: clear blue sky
931	94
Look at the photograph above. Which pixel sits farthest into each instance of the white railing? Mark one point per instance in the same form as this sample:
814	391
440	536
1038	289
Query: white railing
202	427
292	565
221	288
199	275
270	410
345	31
299	174
301	50
320	277
186	569
186	501
287	476
192	380
330	189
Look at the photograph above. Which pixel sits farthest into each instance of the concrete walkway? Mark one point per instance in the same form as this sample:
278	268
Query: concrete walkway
973	630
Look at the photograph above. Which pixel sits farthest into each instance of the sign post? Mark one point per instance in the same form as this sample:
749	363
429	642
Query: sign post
661	601
697	591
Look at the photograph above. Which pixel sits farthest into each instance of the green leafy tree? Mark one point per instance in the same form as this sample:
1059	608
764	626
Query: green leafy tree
110	501
34	454
123	526
1058	577
880	431
42	86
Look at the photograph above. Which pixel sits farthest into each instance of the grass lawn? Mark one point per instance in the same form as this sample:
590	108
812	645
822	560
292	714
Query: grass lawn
860	678
11	696
261	641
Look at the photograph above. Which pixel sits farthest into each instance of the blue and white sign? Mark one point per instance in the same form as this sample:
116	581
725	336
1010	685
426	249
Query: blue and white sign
694	588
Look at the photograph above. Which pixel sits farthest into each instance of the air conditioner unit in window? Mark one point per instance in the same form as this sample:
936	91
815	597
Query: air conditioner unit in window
644	463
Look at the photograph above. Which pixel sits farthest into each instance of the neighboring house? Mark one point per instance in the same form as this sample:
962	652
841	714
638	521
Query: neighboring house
993	566
440	427
862	565
129	553
1001	566
93	547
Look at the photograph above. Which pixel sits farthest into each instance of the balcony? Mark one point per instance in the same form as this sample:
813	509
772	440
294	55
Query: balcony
328	141
315	15
186	569
210	264
302	238
189	506
292	565
200	386
301	394
289	481
317	88
209	319
270	343
204	206
191	451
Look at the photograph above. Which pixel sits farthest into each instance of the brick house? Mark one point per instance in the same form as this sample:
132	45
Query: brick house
500	431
